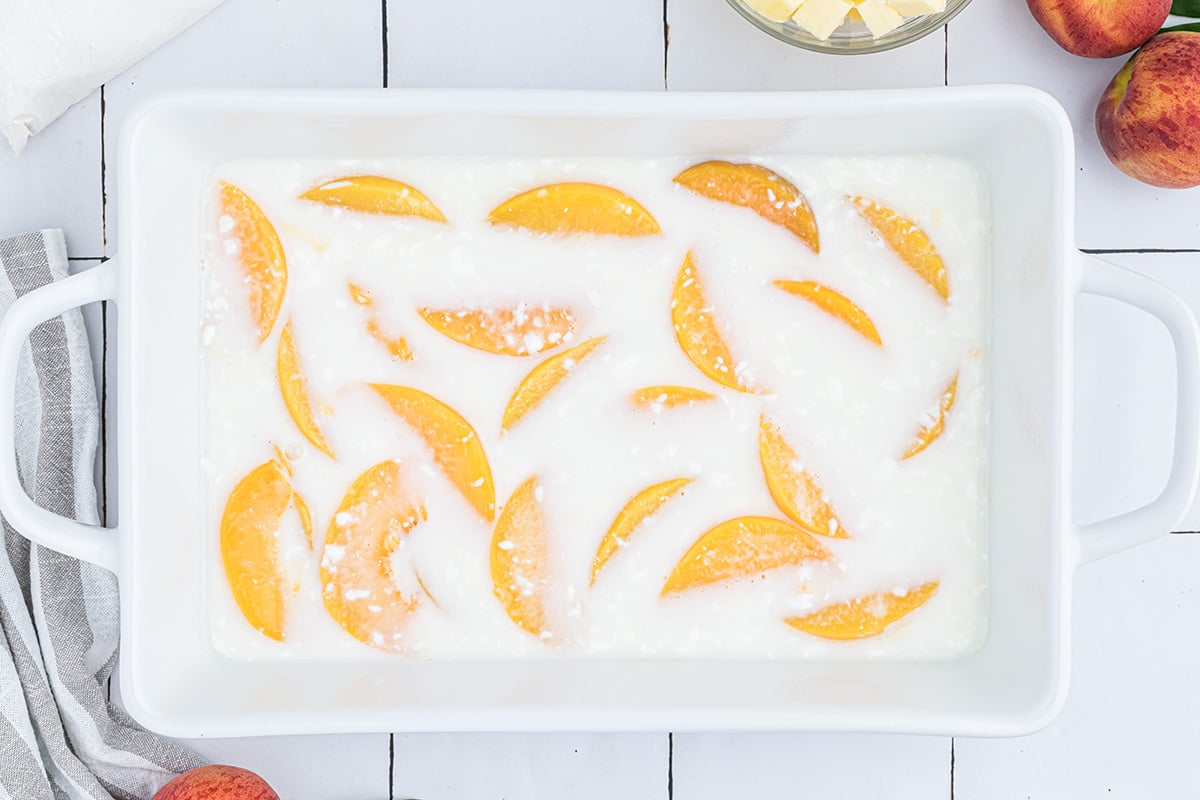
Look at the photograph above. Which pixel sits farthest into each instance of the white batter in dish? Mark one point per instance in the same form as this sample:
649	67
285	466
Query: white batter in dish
849	407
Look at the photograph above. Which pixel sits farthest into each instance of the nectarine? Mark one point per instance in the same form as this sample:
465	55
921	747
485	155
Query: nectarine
1148	119
1100	28
217	782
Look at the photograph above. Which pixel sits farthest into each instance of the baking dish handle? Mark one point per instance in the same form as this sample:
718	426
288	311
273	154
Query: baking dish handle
85	542
1159	516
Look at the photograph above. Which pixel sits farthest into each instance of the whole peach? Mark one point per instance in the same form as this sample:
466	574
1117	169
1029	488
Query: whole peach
1100	28
217	782
1148	119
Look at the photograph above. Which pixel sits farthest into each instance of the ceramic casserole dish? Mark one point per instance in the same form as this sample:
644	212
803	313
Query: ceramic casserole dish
173	680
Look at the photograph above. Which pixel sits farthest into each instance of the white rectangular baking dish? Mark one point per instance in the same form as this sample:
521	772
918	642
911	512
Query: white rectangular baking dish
174	682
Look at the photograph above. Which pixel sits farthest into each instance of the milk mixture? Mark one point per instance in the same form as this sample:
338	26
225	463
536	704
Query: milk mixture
806	448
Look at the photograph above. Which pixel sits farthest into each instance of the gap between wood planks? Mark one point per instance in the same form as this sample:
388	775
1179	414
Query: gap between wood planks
385	43
951	768
670	765
666	41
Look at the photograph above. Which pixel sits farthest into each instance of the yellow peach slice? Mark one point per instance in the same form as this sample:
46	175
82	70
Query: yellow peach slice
835	304
658	397
250	544
792	488
455	445
398	345
294	387
374	194
763	191
360	295
863	616
543	378
260	253
697	331
302	510
644	504
518	559
565	208
935	421
519	331
358	584
425	589
907	240
741	548
306	520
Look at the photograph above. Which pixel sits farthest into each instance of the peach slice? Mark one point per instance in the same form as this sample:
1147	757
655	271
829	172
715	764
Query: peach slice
397	346
294	387
907	240
519	331
697	331
425	589
658	397
543	378
250	544
357	580
934	422
518	559
456	446
306	520
740	548
565	208
864	616
763	191
792	488
644	504
835	304
260	252
374	194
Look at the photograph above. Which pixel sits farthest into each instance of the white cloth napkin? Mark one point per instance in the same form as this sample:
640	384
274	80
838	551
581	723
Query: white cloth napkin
53	53
60	737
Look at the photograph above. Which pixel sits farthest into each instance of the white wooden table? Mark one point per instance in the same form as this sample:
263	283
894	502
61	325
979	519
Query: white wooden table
1132	725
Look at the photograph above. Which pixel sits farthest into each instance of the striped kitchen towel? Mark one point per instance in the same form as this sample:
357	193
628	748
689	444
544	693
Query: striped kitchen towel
59	735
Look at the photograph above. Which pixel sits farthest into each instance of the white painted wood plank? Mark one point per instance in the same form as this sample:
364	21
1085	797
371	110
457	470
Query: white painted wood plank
55	181
309	767
545	44
1124	399
722	767
531	766
712	47
253	44
1131	728
998	41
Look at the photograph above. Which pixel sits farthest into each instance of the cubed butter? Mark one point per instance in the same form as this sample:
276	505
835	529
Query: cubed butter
778	10
915	8
821	17
879	16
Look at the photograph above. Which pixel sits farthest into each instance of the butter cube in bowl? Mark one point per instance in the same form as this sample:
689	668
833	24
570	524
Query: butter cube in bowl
848	26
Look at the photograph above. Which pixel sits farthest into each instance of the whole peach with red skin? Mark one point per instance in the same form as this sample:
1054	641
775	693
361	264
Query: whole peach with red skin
1100	28
217	782
1148	119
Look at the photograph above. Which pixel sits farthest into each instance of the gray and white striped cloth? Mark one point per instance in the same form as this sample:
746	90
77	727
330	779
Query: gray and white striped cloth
59	735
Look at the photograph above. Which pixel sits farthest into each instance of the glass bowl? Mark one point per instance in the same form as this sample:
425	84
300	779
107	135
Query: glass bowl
852	38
